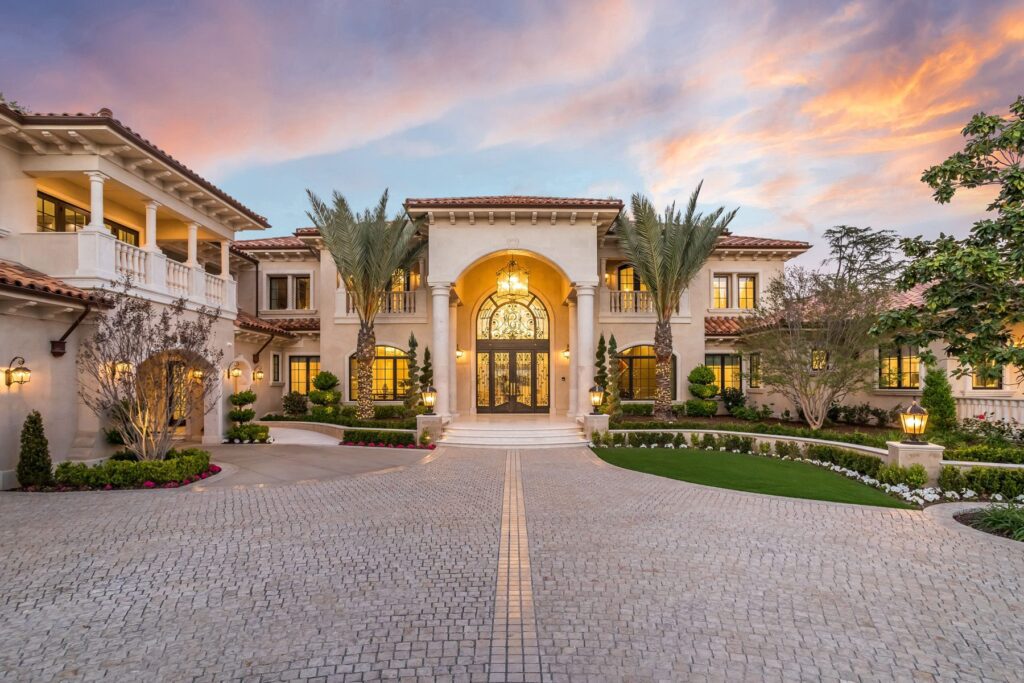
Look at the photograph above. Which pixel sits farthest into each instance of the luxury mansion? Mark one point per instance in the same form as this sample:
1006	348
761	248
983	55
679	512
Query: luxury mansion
510	297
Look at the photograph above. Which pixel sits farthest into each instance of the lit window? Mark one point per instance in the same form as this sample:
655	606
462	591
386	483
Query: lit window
278	293
720	291
302	370
990	378
638	378
819	360
302	300
747	295
899	367
726	367
56	215
390	375
755	370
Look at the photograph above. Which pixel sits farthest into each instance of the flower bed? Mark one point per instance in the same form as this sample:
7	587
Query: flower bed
248	433
369	437
1000	520
180	468
345	420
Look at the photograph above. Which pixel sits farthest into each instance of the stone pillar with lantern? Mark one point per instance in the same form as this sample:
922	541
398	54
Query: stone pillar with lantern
912	450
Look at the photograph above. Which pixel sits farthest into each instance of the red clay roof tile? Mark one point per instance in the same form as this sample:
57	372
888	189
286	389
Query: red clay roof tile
254	324
17	276
723	325
512	201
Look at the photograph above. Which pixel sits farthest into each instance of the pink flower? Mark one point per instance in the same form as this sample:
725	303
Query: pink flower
108	487
148	484
432	446
215	468
171	485
204	475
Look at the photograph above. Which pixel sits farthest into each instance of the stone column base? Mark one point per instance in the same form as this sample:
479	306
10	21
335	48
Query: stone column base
927	454
594	423
431	425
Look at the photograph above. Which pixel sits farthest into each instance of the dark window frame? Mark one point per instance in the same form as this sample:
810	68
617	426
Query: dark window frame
394	394
754	365
884	353
997	386
628	374
60	222
721	364
739	291
307	360
728	291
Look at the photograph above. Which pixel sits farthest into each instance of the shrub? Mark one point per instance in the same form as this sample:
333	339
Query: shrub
991	480
249	432
376	437
390	412
294	404
642	409
696	407
744	413
702	382
242	398
733	398
789	449
987	453
325	381
241	416
128	474
113	436
858	462
324	397
1005	520
859	438
34	465
937	397
914	476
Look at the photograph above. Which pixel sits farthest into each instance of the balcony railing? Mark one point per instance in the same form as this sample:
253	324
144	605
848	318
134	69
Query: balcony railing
215	289
630	301
178	277
131	261
391	303
993	408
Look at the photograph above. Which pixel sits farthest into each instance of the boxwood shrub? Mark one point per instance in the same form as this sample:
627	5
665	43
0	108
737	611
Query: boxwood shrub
373	436
984	481
859	462
858	438
986	453
178	466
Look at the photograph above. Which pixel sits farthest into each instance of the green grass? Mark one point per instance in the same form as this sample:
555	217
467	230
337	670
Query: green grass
749	473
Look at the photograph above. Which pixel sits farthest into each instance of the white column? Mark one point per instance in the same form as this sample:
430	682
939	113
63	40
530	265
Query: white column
583	354
193	245
442	352
453	383
571	370
150	244
96	180
225	256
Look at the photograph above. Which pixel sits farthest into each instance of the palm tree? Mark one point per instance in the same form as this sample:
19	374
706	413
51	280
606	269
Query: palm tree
667	252
367	248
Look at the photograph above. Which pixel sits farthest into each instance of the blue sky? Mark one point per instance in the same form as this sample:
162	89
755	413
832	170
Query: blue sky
803	114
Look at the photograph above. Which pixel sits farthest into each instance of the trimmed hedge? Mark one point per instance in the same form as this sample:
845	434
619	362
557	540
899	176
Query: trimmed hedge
249	432
125	474
361	437
858	462
983	453
858	438
984	481
343	420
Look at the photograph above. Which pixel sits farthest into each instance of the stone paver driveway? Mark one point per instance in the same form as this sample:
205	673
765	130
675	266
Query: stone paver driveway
497	565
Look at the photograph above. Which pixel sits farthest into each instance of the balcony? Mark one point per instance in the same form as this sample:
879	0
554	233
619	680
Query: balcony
635	305
94	260
408	306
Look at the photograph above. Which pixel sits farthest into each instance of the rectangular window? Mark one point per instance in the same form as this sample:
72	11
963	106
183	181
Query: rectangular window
302	299
755	370
899	367
301	371
747	295
390	375
726	367
720	291
55	215
988	380
277	293
275	368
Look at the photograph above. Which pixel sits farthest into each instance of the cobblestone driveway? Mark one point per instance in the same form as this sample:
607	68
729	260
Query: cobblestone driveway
622	576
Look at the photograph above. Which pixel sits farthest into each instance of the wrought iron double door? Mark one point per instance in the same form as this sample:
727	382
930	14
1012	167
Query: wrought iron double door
512	377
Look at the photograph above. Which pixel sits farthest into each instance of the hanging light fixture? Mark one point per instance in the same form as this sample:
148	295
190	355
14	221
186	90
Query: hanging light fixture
513	280
257	375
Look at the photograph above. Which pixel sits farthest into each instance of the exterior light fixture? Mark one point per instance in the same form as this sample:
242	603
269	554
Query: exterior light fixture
234	371
513	280
566	353
459	353
197	374
16	372
257	375
121	367
914	420
429	396
596	397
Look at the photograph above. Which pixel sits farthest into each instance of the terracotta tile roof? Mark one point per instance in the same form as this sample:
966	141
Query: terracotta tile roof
288	242
105	117
741	242
512	201
16	276
723	325
299	324
254	324
307	232
912	297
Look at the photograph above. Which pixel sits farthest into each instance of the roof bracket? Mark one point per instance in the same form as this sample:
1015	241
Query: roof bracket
256	356
58	347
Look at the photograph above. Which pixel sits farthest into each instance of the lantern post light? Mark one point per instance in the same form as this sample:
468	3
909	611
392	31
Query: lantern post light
429	396
16	372
913	421
596	397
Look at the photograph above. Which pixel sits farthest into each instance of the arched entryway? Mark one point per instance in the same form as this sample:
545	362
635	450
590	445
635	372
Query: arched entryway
513	355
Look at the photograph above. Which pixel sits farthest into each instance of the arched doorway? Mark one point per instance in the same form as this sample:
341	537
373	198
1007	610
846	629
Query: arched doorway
512	355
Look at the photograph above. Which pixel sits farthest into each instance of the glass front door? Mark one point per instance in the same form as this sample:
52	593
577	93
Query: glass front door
512	379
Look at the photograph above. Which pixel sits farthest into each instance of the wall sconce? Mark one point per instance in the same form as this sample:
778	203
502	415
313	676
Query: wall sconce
257	375
459	353
234	371
197	374
566	353
17	373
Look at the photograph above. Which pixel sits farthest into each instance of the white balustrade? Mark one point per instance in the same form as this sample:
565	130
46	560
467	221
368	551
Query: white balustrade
178	275
215	289
131	261
992	408
630	301
391	303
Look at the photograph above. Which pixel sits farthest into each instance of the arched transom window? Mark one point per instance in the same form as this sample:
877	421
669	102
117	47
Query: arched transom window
508	318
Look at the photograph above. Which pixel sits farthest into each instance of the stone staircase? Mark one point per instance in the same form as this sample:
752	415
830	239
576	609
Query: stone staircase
513	433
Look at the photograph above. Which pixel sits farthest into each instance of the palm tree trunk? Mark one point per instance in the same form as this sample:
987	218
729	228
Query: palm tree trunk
366	350
663	370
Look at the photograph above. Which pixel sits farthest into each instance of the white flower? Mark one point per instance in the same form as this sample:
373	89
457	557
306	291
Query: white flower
998	497
1020	498
952	495
643	445
670	445
969	494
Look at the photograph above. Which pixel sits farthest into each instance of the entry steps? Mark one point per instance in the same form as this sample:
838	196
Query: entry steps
513	435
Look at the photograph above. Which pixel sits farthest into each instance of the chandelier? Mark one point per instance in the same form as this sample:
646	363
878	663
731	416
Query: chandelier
513	280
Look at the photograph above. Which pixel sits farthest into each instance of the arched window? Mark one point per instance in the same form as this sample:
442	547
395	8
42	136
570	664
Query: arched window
390	374
512	318
638	379
401	280
629	280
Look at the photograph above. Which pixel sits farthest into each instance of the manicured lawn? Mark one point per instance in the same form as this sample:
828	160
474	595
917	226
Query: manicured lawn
748	473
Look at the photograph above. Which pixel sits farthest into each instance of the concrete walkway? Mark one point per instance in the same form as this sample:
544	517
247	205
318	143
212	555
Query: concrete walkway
498	565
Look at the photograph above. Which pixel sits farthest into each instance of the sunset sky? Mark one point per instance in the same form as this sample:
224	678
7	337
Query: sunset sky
803	114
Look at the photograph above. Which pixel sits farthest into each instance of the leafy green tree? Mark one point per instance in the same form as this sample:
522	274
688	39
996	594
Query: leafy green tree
601	365
427	372
412	388
34	466
937	398
972	294
614	401
667	252
367	249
